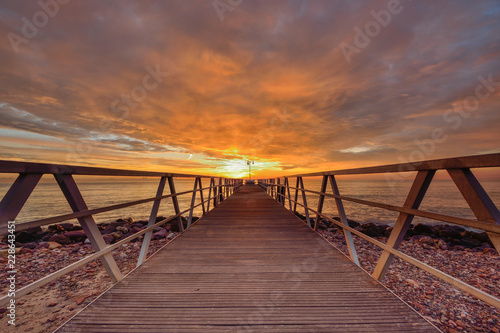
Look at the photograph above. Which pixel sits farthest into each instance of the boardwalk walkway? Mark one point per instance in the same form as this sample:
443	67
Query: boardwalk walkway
248	266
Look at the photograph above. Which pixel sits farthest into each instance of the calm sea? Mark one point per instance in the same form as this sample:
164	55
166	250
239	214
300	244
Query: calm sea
443	197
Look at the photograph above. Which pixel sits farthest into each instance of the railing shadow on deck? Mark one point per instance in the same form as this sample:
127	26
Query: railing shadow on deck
29	175
459	169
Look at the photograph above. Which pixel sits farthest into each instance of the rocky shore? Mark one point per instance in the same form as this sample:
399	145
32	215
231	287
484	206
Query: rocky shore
465	254
43	251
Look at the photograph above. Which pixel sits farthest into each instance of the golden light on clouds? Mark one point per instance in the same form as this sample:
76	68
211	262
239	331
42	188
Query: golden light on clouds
169	86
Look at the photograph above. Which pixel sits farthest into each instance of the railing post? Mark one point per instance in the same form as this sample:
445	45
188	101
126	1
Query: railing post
321	200
77	203
16	196
193	199
478	200
287	184
221	193
304	201
152	220
212	184
413	200
296	196
175	202
278	190
201	196
343	218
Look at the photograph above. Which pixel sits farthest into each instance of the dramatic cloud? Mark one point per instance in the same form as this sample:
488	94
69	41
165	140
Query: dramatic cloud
294	85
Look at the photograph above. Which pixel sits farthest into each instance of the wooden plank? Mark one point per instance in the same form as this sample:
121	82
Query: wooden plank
238	270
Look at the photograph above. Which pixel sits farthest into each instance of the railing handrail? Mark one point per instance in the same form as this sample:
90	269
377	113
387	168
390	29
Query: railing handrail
459	169
63	169
474	161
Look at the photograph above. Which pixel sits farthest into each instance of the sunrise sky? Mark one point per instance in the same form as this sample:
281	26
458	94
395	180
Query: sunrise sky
201	86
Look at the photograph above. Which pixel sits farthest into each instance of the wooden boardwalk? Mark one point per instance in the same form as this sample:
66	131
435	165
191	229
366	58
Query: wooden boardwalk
248	266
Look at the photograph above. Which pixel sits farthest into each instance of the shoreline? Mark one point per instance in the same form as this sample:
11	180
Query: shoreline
461	253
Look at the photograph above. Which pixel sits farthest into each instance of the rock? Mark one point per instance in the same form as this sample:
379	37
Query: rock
25	250
60	238
53	245
55	228
110	228
439	244
174	225
116	235
41	234
76	234
46	237
123	230
82	299
160	234
52	319
108	238
24	237
170	235
423	229
51	304
352	223
128	221
490	251
482	236
426	240
67	226
30	245
135	229
370	229
413	283
41	245
160	218
322	225
470	242
450	231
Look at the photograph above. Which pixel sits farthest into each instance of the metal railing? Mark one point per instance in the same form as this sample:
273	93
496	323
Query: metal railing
459	169
29	175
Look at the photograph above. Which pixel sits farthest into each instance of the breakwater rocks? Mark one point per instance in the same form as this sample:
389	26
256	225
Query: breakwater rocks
58	235
442	236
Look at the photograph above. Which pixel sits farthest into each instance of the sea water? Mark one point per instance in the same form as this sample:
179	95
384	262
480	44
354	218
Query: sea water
442	197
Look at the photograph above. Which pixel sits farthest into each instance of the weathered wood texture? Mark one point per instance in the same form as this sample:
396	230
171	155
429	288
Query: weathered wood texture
248	266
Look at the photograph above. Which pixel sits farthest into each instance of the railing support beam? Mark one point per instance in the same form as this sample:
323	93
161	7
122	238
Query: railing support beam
343	218
321	200
193	199
413	200
478	200
152	220
77	203
16	196
175	202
